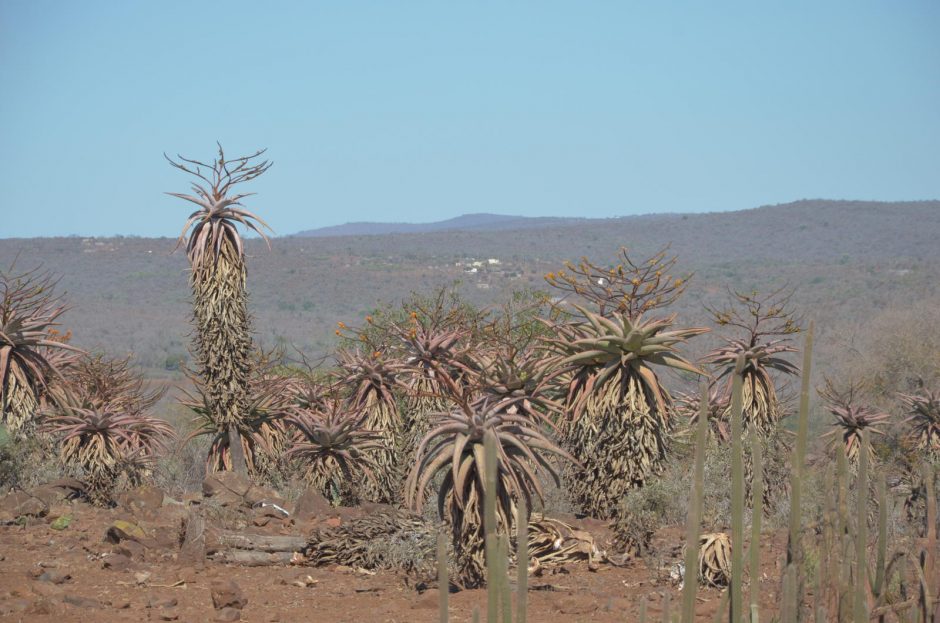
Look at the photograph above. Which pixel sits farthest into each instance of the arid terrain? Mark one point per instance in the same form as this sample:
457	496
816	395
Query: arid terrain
91	571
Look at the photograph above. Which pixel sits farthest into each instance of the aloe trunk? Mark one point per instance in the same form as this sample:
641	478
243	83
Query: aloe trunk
223	345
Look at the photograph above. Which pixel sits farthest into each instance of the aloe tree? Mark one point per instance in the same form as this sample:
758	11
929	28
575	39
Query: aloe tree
763	326
31	355
218	270
923	410
851	418
371	380
454	448
333	446
618	410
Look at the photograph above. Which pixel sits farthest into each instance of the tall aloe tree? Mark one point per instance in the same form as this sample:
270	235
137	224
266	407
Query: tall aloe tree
222	344
30	354
619	412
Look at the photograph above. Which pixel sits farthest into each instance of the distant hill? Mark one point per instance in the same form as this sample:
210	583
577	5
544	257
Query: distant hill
466	222
849	260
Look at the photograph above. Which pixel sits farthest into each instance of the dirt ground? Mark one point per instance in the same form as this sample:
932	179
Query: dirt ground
76	574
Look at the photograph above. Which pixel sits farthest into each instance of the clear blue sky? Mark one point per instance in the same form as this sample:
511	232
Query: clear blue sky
420	111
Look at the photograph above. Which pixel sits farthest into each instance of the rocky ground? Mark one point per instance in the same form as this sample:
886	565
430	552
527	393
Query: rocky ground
149	559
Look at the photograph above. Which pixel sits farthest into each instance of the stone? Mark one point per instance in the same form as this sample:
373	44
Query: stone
117	562
82	602
310	504
121	530
22	504
227	594
228	615
162	602
54	577
144	500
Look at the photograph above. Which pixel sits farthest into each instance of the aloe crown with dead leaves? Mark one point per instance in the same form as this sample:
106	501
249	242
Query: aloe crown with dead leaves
454	447
332	444
211	228
618	411
105	443
30	356
765	325
371	381
923	410
852	418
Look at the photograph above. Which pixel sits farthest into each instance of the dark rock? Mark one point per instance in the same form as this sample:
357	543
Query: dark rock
231	489
131	549
227	594
22	504
82	602
311	504
54	577
162	602
117	562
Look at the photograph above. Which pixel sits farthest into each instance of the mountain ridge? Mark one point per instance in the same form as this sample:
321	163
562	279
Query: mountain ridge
490	222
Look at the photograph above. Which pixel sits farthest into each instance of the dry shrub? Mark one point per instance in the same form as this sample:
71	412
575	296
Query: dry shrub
898	351
26	462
